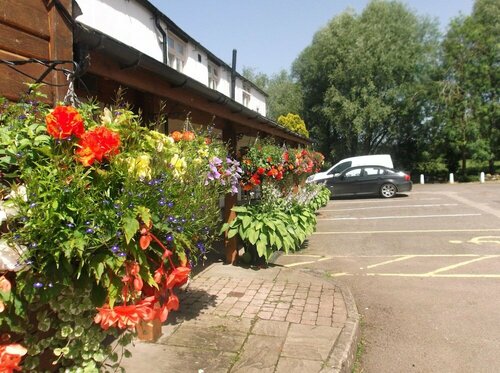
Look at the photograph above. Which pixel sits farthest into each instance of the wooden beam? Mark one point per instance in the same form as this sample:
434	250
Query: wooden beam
145	81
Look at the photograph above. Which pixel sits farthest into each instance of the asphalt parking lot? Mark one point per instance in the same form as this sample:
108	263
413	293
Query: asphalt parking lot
424	269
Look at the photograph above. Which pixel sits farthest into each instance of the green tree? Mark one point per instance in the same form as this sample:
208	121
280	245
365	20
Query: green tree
470	85
285	95
260	79
364	80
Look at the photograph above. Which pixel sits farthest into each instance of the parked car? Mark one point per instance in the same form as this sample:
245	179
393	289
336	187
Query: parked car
362	160
365	180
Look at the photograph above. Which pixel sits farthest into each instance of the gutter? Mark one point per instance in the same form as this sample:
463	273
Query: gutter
163	40
128	56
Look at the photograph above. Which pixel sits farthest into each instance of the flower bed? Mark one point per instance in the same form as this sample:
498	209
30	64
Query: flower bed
285	215
105	218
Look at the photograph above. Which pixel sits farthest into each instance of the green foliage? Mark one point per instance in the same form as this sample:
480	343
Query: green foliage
470	86
294	123
284	93
77	227
279	221
362	80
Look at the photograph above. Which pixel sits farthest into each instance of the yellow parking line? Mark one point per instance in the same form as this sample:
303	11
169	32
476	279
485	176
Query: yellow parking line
391	261
298	264
446	275
461	264
412	231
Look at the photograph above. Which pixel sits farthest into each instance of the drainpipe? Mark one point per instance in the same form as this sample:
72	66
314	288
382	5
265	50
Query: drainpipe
233	76
163	41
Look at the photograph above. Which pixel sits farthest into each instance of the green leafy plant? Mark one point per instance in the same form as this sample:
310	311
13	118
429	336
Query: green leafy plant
106	217
278	222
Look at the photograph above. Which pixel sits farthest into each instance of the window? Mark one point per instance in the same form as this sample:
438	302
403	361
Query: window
353	173
246	94
370	171
213	76
246	99
341	167
176	55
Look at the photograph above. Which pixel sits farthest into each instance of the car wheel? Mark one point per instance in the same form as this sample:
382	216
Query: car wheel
388	190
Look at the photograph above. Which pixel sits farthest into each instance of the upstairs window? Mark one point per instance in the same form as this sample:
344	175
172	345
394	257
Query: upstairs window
246	95
213	75
176	53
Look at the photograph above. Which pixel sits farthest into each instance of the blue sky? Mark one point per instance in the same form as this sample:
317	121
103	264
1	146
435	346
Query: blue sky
270	34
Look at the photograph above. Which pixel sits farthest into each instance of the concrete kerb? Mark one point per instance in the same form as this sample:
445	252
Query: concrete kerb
343	354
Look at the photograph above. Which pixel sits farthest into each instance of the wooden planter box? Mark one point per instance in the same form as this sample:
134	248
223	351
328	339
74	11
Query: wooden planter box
149	331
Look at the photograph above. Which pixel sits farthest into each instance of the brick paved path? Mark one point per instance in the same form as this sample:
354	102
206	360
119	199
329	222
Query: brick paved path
237	320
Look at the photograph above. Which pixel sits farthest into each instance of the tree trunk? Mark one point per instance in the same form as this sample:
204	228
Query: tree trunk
491	166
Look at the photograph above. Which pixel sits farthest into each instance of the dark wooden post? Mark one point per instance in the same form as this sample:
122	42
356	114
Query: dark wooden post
230	244
61	42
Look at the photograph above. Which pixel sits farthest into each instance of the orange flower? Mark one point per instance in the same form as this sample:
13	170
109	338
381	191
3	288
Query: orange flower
10	357
173	302
63	122
176	135
177	277
125	317
97	144
188	136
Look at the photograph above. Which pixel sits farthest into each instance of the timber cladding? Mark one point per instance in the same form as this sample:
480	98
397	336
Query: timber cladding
34	29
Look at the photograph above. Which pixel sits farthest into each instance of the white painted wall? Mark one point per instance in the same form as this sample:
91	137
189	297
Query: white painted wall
126	21
134	25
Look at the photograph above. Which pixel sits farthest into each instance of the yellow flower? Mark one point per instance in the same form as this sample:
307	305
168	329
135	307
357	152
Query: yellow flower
179	166
106	117
140	166
203	152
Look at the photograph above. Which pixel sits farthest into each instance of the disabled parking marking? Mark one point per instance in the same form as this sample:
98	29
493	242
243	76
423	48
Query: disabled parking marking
485	239
479	240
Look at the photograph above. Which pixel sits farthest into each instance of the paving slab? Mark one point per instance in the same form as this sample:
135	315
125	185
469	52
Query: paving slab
234	319
157	358
289	365
260	354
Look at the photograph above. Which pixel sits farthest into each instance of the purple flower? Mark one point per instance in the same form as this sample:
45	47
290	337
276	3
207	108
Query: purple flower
38	285
170	204
115	248
169	237
89	231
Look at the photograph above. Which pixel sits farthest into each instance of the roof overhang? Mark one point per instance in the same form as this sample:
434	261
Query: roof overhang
113	59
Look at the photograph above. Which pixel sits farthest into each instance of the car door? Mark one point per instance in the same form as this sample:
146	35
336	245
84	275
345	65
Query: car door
346	183
370	180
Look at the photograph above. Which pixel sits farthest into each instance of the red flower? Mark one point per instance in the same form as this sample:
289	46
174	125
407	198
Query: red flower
97	144
63	122
255	180
173	302
125	317
177	277
10	357
261	170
